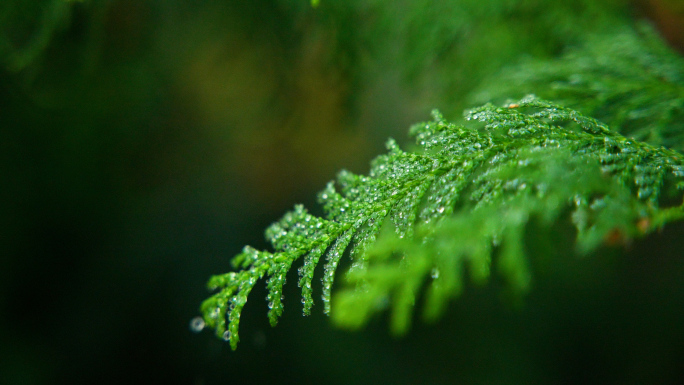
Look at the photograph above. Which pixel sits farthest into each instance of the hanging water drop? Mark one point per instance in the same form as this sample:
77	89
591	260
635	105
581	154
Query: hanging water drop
197	324
644	193
226	335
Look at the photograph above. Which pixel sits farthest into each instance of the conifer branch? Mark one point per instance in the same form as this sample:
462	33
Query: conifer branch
465	196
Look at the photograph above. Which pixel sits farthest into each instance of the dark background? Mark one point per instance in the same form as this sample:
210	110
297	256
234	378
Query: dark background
143	143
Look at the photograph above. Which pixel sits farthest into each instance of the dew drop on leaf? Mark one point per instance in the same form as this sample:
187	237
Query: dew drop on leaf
214	313
226	335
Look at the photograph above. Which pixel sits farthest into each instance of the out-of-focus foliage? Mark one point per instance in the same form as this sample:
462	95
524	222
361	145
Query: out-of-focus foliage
140	141
627	78
444	49
27	28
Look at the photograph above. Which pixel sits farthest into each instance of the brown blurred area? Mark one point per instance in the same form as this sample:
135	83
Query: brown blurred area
668	16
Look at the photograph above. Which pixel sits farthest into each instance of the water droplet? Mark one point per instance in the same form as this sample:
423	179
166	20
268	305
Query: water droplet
598	204
226	335
644	193
197	324
434	273
214	313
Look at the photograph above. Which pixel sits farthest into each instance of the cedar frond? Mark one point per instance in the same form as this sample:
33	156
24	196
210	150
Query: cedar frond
468	190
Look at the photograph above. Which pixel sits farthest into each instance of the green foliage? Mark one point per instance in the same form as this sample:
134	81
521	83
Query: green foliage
27	29
463	198
627	78
462	203
535	164
471	32
444	49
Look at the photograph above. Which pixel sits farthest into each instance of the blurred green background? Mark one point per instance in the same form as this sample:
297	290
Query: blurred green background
145	142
